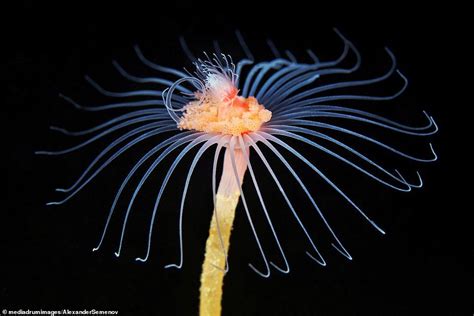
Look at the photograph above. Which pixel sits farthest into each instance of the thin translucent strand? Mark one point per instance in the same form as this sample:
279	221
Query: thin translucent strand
201	137
244	202
198	156
175	142
341	249
262	203
249	138
323	176
283	130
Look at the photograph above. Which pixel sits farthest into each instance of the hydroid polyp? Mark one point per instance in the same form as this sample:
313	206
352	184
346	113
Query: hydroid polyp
239	108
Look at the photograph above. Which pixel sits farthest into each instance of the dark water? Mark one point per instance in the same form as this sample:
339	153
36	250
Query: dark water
423	265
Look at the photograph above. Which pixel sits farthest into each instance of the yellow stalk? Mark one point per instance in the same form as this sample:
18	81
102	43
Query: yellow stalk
227	198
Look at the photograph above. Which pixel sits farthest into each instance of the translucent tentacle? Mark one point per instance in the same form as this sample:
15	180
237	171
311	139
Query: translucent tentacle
113	105
308	111
420	180
345	84
313	56
130	77
306	75
168	96
289	88
186	50
244	202
244	46
98	136
159	114
318	100
217	47
95	85
243	62
403	130
347	44
361	136
262	203
201	138
283	130
198	155
323	176
175	142
291	56
165	181
263	68
293	81
223	141
156	67
277	63
79	184
340	248
290	205
273	48
240	65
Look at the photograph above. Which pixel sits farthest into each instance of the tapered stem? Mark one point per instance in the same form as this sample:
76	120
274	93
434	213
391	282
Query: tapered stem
217	244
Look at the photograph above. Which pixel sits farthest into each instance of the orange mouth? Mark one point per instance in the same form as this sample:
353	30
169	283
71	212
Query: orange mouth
230	114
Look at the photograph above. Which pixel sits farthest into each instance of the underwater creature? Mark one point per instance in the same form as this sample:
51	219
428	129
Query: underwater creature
238	108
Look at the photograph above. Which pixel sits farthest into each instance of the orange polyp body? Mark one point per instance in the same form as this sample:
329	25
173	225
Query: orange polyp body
231	95
224	113
241	102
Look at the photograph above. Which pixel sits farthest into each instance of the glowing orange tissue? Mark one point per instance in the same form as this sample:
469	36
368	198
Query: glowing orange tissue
218	109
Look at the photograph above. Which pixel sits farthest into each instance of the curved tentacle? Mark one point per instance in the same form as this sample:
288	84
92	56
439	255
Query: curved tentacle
290	205
98	136
198	155
244	45
298	79
201	138
313	56
275	64
111	106
156	67
95	85
168	96
401	129
323	176
186	50
243	62
291	56
223	141
158	113
244	202
283	130
318	100
175	142
263	68
345	84
340	247
316	109
79	184
273	48
292	86
130	77
217	47
269	83
361	136
262	203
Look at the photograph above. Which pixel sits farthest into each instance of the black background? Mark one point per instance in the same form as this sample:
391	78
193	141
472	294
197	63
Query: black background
422	266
